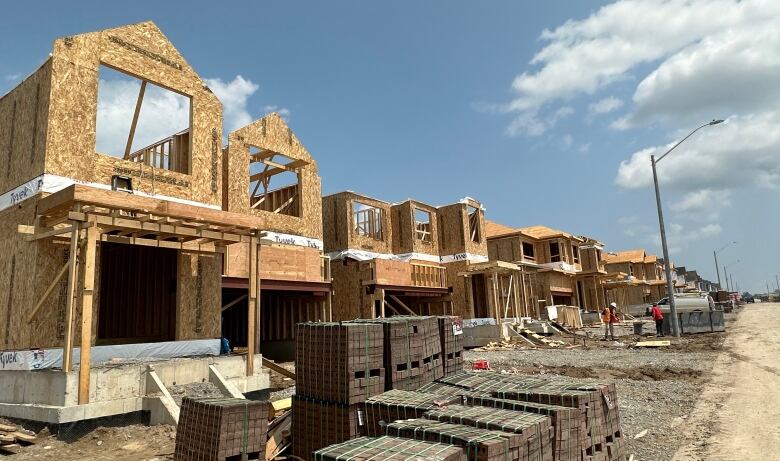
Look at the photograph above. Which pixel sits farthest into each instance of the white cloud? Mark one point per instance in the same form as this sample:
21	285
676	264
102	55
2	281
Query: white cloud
12	77
530	124
163	113
605	105
234	96
585	148
567	141
743	151
702	200
283	111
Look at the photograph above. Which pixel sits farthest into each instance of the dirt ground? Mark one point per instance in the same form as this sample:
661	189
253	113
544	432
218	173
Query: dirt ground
738	414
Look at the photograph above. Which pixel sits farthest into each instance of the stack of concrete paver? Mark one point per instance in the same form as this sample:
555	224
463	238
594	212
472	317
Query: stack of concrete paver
216	429
451	334
338	366
389	449
399	404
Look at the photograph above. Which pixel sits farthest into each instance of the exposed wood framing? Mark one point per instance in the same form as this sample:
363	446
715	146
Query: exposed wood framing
48	291
67	353
134	123
234	302
252	305
87	299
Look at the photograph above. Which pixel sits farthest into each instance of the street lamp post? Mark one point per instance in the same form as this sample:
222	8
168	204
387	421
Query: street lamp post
725	274
715	254
667	264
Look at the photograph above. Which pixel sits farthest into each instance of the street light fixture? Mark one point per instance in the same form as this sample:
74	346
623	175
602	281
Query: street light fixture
715	254
725	274
667	264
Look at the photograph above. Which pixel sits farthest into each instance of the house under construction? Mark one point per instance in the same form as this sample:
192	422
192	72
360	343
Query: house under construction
149	248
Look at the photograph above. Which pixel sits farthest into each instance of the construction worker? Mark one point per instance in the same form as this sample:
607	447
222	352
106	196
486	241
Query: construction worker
609	317
658	316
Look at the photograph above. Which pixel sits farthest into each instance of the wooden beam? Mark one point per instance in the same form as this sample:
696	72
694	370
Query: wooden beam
67	350
281	370
401	303
87	299
48	291
265	153
39	233
134	124
234	302
250	321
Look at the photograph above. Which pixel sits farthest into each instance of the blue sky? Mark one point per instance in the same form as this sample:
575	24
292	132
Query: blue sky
529	107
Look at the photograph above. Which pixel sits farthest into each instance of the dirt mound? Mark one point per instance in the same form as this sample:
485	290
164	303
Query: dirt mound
637	374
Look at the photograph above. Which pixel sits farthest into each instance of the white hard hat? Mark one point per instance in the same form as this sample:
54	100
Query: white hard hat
613	304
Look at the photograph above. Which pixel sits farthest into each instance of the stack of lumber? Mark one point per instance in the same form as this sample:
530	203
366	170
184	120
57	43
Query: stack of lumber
12	438
221	428
451	344
399	404
479	444
338	366
571	316
412	351
389	449
536	431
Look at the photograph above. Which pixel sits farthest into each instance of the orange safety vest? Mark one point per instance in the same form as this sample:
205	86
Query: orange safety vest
606	315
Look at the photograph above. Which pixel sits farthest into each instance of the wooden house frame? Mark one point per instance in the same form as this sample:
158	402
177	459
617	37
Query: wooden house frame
636	278
87	239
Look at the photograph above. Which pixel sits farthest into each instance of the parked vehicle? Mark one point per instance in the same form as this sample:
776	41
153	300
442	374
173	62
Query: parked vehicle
688	302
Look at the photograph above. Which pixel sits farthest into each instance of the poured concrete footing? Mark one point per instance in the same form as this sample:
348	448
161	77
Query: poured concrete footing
51	396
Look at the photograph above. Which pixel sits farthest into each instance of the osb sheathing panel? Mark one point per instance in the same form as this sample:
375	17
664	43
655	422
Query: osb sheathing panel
272	133
287	262
199	296
26	270
459	295
143	51
23	125
454	231
588	259
404	231
341	234
350	300
507	249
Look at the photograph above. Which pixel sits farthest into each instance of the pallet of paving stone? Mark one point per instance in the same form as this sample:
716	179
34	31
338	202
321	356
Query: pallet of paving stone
221	428
317	424
486	382
537	430
412	351
596	402
389	449
451	334
478	444
568	423
339	362
399	404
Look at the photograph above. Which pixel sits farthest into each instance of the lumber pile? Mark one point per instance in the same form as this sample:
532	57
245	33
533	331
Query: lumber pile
221	428
389	449
451	335
13	438
399	404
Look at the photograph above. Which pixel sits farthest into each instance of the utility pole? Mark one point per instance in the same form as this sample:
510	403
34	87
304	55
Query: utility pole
777	282
726	276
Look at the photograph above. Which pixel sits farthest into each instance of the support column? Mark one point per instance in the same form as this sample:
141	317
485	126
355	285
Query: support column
251	334
496	303
382	302
469	296
67	350
87	299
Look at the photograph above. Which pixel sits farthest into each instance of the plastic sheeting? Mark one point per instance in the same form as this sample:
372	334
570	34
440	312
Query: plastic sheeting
289	239
361	255
40	359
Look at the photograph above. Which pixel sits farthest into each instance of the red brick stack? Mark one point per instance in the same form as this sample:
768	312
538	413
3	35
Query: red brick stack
215	429
389	449
451	334
338	366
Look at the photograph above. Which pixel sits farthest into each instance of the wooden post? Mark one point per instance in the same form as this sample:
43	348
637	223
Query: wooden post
134	123
67	352
496	303
470	295
251	333
382	302
87	299
516	294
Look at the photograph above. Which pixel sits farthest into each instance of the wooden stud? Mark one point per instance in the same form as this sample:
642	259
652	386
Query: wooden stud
134	124
250	321
87	299
48	291
67	353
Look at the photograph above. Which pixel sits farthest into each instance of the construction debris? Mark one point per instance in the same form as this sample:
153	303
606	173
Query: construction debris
12	438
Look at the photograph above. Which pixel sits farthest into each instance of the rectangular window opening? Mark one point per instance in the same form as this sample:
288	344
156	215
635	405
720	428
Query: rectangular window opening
368	220
474	230
555	252
142	122
422	225
274	182
575	251
528	251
